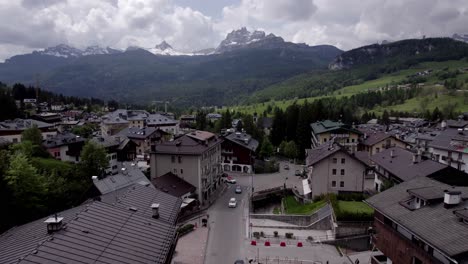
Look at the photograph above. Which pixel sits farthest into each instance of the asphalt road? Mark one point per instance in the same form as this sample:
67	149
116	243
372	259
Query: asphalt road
227	228
228	237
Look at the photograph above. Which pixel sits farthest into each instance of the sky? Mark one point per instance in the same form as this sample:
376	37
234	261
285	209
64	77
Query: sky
188	25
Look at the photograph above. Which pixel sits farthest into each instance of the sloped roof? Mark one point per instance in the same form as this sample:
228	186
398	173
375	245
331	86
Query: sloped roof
325	150
105	231
186	145
173	184
402	166
328	126
158	120
62	139
243	139
432	223
125	178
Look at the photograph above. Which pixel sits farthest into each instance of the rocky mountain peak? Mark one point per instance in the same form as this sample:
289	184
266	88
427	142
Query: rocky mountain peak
61	50
242	38
163	46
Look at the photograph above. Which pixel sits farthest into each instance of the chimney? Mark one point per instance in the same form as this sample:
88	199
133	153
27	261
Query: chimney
155	209
451	198
54	224
94	178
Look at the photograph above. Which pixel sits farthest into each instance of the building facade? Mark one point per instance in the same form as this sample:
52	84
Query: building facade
324	131
238	152
194	157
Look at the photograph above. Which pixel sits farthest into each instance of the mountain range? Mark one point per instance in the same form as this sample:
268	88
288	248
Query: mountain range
242	63
244	66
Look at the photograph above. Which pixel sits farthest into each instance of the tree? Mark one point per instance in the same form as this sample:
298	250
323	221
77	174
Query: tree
290	150
93	159
266	148
32	134
201	120
385	118
84	131
278	131
28	186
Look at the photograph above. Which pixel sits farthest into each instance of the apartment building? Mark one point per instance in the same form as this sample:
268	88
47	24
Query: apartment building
324	131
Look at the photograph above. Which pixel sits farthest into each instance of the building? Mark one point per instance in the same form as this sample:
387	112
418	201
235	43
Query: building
324	131
421	221
163	123
50	118
266	123
112	126
194	157
332	169
396	165
188	119
118	149
64	147
144	138
128	175
375	141
11	130
133	225
213	117
238	152
174	185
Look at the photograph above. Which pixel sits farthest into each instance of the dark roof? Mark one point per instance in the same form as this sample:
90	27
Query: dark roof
457	123
62	139
328	126
321	152
21	240
243	139
173	185
428	193
108	141
401	164
22	124
105	231
374	137
131	175
138	133
141	197
159	120
433	223
188	144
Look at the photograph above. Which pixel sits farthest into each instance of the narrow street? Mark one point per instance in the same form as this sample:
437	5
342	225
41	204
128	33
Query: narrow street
227	228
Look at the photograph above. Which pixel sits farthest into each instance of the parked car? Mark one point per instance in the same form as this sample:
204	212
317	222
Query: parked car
232	203
286	167
239	261
238	189
298	173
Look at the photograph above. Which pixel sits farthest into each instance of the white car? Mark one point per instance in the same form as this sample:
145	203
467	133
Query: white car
230	179
232	203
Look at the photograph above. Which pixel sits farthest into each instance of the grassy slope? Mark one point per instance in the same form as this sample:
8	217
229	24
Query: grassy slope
410	105
294	207
354	206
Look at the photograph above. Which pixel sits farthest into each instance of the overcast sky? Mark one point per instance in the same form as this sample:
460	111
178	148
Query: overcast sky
187	25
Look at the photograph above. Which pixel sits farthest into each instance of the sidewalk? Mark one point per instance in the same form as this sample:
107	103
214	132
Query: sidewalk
191	248
317	235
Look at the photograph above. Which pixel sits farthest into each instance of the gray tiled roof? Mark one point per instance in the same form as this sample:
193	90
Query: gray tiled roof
401	164
433	223
328	126
243	139
159	120
22	124
107	141
130	176
173	185
105	231
62	139
138	133
321	152
186	145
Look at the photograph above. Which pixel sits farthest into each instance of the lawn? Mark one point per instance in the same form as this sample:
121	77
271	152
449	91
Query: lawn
355	206
294	207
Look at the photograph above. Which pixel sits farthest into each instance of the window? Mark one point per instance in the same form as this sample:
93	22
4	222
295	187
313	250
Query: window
173	159
334	171
181	171
15	140
325	140
347	140
377	150
333	183
352	140
175	171
341	183
335	160
180	159
342	172
343	161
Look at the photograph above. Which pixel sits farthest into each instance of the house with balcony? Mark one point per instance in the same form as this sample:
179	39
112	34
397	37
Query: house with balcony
144	138
376	141
238	152
421	221
324	131
194	157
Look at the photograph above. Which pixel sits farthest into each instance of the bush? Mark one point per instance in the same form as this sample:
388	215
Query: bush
289	235
256	235
275	233
352	196
185	229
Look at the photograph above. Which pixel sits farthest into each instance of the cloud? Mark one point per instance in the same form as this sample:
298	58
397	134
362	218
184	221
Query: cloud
35	24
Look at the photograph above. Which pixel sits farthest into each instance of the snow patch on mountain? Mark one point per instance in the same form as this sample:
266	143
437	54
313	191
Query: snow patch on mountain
66	51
